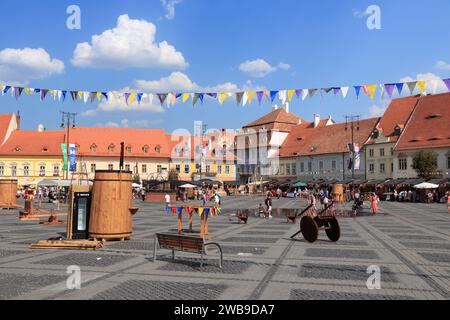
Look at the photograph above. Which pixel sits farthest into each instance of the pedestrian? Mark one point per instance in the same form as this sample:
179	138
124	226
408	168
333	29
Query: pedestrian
261	211
269	211
279	193
143	194
325	202
204	199
374	200
167	201
217	200
448	202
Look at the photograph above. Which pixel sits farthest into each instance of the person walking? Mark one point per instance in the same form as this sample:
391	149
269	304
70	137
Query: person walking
374	201
143	194
167	197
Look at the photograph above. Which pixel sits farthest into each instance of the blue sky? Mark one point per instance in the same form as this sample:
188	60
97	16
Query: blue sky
319	44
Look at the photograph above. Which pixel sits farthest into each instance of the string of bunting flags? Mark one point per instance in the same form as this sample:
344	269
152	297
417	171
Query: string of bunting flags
244	97
209	211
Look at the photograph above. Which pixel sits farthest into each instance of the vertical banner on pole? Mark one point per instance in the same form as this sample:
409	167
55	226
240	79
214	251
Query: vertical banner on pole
73	157
357	157
65	156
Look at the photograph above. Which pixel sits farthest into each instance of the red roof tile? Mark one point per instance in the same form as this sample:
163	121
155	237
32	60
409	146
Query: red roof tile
429	126
33	143
305	140
278	118
138	139
5	120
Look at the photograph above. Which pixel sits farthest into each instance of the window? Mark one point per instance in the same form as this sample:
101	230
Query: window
371	153
219	169
208	168
129	149
56	170
302	167
282	169
93	148
158	149
111	148
402	164
26	170
159	169
13	170
392	167
371	168
227	170
42	171
144	168
187	169
382	152
320	165
94	167
294	169
145	149
178	168
2	169
309	166
382	168
288	169
110	167
448	162
333	165
127	167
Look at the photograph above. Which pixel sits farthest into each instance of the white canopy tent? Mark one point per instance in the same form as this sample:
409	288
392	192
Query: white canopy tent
188	186
426	185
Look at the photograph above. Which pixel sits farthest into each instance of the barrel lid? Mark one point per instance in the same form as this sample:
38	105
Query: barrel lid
113	171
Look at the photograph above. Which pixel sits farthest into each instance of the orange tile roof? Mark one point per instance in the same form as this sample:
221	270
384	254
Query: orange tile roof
137	139
5	120
277	117
429	126
305	140
397	114
33	143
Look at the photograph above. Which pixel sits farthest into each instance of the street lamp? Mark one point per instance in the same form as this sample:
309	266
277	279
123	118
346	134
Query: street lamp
68	121
352	120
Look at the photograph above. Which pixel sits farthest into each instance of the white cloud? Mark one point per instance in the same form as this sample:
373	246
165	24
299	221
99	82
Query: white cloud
169	6
125	123
442	65
284	66
258	68
376	111
22	65
131	44
175	82
434	82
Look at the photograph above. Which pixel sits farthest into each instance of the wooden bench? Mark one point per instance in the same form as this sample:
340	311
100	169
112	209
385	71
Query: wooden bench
183	243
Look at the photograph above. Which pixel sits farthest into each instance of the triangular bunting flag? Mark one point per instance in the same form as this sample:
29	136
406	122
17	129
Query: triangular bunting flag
412	86
162	98
399	87
312	92
447	83
372	89
273	95
250	95
127	97
358	91
201	96
244	99
305	93
327	90
389	87
132	97
194	98
344	91
99	96
18	92
74	95
139	97
185	97
239	96
64	94
43	94
212	95
336	90
260	95
283	96
93	96
298	92
223	96
290	95
422	85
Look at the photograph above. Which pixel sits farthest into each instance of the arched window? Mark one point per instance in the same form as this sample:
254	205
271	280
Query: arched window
42	169
26	169
158	149
56	169
13	169
94	148
145	149
111	148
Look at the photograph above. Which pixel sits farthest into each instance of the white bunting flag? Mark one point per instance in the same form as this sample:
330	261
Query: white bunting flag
244	99
305	93
344	91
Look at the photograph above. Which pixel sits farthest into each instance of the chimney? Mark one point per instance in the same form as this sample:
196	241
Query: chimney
316	120
275	107
286	107
18	120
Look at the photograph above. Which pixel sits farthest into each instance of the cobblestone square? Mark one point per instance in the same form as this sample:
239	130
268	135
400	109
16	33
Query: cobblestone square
408	242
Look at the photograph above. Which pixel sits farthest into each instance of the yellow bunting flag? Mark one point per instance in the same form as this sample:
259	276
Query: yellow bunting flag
421	85
99	96
27	91
372	89
185	97
132	97
250	96
80	95
200	211
290	95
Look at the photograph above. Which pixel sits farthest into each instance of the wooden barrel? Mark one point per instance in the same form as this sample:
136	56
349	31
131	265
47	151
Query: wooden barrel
338	193
8	193
111	218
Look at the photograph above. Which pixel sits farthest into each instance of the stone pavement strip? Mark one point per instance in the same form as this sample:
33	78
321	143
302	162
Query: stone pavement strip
409	242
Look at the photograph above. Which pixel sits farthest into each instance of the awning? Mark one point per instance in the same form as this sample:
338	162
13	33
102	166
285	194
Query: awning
299	185
413	182
426	186
395	182
440	182
187	186
375	182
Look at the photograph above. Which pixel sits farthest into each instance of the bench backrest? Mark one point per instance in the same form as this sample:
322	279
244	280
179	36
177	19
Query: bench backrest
180	243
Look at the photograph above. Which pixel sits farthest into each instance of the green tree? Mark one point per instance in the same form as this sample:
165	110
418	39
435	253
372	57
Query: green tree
425	164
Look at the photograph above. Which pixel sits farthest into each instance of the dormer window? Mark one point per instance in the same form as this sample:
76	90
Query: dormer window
111	148
93	148
158	149
433	116
45	149
145	149
129	149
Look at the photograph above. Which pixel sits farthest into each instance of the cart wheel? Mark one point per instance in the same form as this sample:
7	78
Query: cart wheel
334	234
309	229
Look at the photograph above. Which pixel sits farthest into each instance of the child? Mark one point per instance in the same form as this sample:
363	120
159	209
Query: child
262	212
